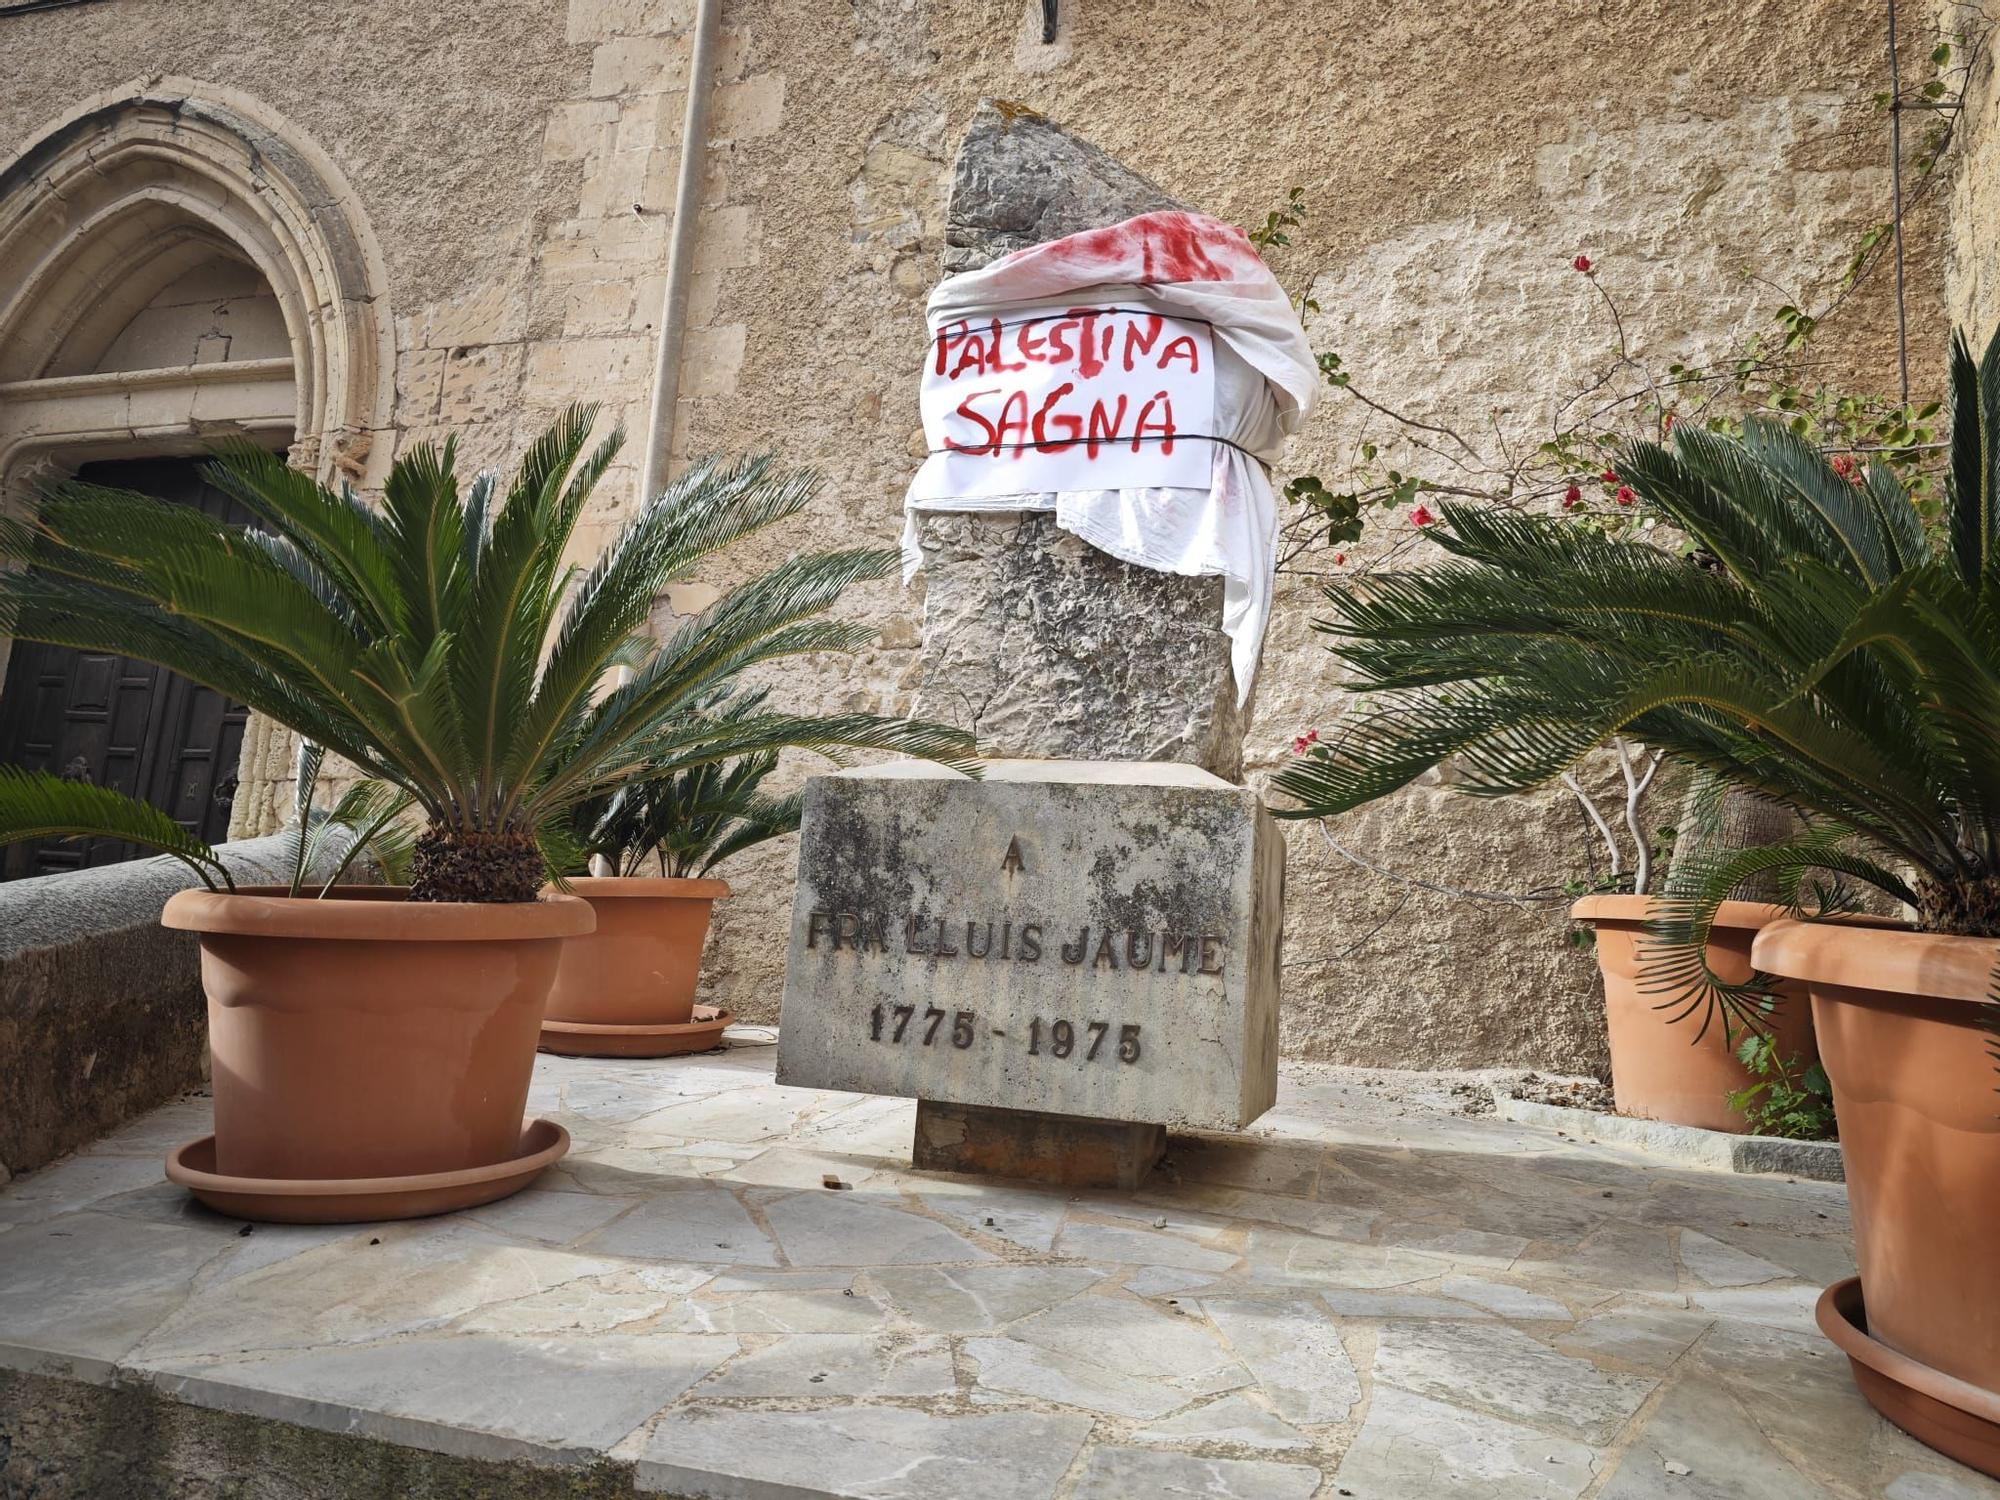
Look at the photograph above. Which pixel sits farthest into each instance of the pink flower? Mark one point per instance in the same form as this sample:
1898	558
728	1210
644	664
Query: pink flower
1572	497
1624	495
1581	263
1339	558
1848	467
1421	516
1305	742
1609	476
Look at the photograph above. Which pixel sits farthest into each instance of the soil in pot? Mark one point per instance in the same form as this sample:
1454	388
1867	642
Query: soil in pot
633	979
1900	1017
1659	1070
366	1036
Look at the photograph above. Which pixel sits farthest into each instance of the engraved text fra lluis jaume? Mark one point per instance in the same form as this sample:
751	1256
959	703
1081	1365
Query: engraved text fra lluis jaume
1018	942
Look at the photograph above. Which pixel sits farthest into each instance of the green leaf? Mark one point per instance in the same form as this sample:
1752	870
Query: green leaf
37	805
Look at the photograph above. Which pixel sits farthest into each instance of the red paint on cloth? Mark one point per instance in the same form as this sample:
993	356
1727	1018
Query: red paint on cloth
1149	249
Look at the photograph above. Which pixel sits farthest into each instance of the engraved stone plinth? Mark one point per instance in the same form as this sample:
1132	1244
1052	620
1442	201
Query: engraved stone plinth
1095	939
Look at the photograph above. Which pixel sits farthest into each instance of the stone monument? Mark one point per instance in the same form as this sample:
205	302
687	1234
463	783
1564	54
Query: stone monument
1034	640
1090	940
1067	957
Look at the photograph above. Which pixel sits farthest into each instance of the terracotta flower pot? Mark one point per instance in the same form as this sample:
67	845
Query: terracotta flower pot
628	988
1900	1018
1658	1070
366	1036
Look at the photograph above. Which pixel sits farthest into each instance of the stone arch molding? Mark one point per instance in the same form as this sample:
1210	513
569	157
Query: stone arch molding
109	204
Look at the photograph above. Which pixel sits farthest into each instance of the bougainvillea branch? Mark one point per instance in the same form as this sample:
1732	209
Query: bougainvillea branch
1379	485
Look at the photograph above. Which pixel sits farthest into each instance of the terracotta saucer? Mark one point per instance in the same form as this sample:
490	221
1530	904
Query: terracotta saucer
1960	1420
355	1200
578	1039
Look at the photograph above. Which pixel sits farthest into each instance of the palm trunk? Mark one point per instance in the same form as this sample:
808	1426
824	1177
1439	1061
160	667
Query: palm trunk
450	864
1737	820
1964	908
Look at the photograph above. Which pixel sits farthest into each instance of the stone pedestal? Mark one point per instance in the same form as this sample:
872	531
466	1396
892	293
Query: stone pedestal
1063	1150
1048	958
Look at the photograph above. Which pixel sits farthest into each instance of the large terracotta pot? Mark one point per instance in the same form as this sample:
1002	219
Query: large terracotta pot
1659	1071
366	1036
628	988
1900	1018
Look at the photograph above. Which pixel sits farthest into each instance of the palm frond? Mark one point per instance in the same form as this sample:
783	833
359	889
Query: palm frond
299	834
420	505
445	647
1974	508
37	805
765	819
509	606
1674	957
369	819
341	535
1819	651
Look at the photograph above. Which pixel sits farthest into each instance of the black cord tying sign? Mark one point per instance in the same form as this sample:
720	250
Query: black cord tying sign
1055	445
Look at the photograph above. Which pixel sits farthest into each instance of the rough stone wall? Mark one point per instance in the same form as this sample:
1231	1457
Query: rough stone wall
515	160
61	1439
1973	270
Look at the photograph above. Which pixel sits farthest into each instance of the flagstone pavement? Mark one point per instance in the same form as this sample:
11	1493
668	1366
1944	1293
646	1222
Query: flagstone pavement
1368	1295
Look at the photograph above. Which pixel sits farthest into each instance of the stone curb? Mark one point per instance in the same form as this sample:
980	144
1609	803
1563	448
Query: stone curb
1817	1161
101	1009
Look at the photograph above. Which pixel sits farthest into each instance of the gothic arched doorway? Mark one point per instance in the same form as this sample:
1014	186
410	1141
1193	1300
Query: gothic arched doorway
175	267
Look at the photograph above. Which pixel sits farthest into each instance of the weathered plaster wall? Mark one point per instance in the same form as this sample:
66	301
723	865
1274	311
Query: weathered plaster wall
515	158
1973	273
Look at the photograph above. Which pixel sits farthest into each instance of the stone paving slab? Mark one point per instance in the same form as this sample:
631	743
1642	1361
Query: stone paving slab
1367	1296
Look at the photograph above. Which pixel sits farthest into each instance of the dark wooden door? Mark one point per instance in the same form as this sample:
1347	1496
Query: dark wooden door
123	723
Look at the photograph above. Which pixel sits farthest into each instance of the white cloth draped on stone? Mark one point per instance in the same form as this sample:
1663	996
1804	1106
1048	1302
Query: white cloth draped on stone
1179	265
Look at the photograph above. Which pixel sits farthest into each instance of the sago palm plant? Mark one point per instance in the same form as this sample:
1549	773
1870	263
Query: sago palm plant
686	819
1816	646
440	644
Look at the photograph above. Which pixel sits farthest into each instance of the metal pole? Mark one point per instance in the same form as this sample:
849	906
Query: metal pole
680	256
673	302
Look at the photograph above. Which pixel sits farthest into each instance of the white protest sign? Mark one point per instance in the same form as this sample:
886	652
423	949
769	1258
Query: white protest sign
1067	398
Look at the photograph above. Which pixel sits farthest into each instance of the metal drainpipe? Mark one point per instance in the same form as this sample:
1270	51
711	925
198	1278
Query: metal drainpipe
673	303
680	254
